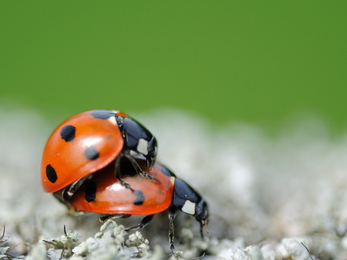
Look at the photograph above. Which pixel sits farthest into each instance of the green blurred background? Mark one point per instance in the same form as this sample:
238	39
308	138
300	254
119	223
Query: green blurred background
257	62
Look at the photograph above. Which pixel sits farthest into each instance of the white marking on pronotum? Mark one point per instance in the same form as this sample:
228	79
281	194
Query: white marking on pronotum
189	207
172	179
112	119
142	147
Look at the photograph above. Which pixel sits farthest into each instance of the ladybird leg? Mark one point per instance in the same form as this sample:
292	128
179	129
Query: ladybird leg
118	173
62	197
107	217
59	195
144	222
138	168
152	154
172	216
74	186
201	231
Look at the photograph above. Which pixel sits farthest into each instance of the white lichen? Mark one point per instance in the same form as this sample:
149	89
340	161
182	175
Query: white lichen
279	198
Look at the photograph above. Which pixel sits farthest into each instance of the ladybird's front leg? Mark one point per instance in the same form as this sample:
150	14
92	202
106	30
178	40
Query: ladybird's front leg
118	172
138	168
172	216
152	153
71	189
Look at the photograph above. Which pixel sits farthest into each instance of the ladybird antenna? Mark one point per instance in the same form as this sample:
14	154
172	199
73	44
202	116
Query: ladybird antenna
205	223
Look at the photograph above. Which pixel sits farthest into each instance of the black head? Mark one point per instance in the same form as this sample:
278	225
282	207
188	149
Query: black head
202	215
138	139
201	211
152	152
187	200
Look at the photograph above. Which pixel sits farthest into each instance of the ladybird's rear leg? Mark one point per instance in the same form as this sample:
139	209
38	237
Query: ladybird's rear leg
75	185
107	217
144	222
138	168
63	197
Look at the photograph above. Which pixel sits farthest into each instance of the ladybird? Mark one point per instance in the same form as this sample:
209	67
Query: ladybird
103	194
88	142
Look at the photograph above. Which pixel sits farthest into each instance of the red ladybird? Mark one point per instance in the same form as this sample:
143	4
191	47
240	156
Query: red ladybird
88	142
103	194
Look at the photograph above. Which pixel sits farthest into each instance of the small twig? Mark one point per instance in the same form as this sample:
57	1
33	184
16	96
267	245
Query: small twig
49	242
65	231
307	250
3	235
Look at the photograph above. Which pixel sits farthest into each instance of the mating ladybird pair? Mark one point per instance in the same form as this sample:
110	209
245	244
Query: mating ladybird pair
88	165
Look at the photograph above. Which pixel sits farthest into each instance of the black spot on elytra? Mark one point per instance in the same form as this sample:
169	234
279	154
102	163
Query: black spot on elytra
91	153
90	191
51	174
102	114
67	133
167	172
140	198
127	168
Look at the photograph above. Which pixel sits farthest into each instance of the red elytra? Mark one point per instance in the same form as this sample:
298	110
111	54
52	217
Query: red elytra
104	194
64	158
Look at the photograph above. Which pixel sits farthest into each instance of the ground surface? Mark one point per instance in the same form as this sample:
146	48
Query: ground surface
269	198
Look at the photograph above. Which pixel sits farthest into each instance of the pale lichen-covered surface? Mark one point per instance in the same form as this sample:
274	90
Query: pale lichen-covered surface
279	198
